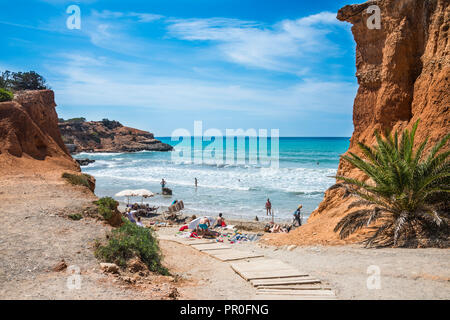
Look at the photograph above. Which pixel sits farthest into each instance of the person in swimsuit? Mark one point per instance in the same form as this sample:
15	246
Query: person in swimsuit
268	207
203	226
163	183
220	221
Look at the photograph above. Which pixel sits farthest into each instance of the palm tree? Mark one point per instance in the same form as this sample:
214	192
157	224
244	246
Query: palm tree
407	195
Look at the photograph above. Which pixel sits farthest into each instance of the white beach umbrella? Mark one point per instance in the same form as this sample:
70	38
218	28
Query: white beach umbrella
127	193
144	193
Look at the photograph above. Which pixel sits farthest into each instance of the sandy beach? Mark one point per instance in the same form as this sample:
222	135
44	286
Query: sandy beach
404	273
36	235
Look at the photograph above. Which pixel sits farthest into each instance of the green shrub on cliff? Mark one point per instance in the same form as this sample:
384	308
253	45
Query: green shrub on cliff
5	95
406	197
107	207
129	241
77	180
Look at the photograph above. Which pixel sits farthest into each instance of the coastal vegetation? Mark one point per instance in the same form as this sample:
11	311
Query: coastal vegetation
131	241
406	198
107	207
75	216
17	81
72	120
77	180
5	95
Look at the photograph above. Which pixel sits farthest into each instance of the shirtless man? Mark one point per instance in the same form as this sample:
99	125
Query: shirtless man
203	226
220	220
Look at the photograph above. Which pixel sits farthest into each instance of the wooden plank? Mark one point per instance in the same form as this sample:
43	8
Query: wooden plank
284	281
310	293
291	297
195	242
219	251
261	263
261	275
210	246
258	265
317	286
233	255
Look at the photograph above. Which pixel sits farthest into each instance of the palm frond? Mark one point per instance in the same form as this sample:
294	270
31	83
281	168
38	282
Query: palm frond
404	185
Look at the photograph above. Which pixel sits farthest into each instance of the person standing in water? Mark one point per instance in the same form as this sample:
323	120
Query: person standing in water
195	181
163	183
268	207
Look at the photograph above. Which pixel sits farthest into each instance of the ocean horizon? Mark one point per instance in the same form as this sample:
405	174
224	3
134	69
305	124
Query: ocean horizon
306	169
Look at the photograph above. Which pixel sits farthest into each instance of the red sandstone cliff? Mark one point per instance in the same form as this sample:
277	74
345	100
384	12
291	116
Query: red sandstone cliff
108	136
403	72
29	135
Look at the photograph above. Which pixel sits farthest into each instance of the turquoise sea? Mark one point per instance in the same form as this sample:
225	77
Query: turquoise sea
306	168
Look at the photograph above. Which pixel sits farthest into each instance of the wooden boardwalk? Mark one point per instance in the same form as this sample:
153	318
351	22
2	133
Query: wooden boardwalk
272	279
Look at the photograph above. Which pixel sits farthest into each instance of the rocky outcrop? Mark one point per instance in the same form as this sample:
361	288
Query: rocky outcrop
108	136
403	72
29	134
84	162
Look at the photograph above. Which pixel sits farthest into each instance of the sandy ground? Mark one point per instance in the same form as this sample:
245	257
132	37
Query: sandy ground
204	277
404	273
36	234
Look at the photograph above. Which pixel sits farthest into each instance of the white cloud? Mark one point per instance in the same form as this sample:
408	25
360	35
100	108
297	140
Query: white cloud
91	81
141	17
279	47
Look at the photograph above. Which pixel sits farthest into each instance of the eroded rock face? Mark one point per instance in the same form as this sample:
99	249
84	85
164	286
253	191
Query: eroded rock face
403	72
29	131
98	136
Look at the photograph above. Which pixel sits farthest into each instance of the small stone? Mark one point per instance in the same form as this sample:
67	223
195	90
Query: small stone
60	266
136	265
291	247
109	267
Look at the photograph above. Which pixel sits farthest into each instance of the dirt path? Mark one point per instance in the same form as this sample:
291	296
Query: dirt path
205	278
404	273
35	236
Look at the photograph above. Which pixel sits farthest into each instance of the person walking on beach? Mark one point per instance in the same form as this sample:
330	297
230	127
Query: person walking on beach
268	207
163	183
297	217
195	181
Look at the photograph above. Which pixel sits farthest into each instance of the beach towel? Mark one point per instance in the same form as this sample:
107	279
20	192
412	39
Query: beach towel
183	228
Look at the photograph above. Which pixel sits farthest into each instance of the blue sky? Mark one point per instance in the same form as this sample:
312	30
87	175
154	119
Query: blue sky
160	65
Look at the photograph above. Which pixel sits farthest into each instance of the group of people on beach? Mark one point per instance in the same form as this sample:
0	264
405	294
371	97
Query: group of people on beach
204	224
275	228
297	213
